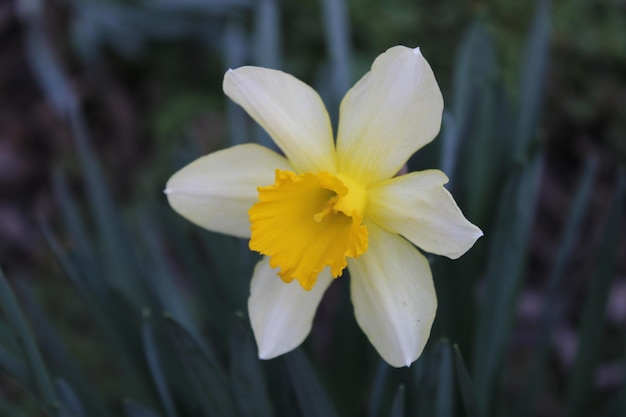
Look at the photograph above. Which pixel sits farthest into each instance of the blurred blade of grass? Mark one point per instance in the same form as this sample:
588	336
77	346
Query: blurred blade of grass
110	316
397	406
312	399
134	409
207	379
121	269
469	130
352	356
74	225
267	35
181	236
449	144
337	32
506	261
14	366
235	51
118	261
153	360
246	376
266	49
43	62
436	386
444	399
168	293
42	386
62	364
233	264
551	305
7	339
67	395
532	81
473	67
466	387
200	346
590	337
126	28
76	274
378	388
480	157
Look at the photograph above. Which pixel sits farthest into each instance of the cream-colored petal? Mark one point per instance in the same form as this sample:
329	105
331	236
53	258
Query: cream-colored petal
394	110
282	314
217	190
418	207
290	111
393	296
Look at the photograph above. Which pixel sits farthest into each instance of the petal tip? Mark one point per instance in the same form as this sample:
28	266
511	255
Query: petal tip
167	191
265	355
417	51
411	356
268	351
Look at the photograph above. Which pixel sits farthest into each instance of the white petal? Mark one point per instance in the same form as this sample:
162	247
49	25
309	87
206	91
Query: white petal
418	207
290	111
217	190
282	314
394	110
394	297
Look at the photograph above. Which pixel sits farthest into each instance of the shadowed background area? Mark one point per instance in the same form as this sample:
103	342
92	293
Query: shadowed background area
124	308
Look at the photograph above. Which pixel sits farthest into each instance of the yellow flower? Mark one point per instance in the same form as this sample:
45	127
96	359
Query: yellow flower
323	207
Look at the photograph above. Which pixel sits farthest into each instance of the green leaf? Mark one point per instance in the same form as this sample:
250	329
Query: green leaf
267	34
73	224
532	80
154	365
436	382
248	381
14	366
378	388
471	145
506	261
397	407
42	383
235	45
68	397
167	293
468	394
206	377
266	48
121	269
111	312
62	363
118	254
474	73
310	394
444	398
337	32
590	340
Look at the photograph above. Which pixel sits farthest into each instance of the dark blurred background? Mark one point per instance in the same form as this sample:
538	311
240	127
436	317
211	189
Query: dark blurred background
147	76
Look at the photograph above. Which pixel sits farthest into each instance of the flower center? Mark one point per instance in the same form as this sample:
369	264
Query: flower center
307	222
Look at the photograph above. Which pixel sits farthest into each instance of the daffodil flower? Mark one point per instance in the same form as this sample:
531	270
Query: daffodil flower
323	206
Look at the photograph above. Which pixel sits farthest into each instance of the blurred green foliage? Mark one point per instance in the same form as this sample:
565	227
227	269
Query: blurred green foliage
162	303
